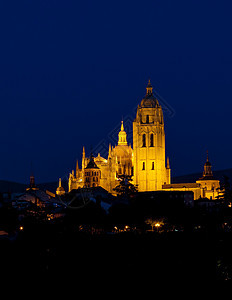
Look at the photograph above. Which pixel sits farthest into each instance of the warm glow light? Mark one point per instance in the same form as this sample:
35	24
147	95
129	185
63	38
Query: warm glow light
157	225
21	228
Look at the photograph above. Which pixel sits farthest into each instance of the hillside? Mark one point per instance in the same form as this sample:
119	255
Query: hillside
193	177
15	187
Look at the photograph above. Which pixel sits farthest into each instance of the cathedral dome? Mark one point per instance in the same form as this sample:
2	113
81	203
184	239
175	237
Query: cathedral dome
122	151
149	102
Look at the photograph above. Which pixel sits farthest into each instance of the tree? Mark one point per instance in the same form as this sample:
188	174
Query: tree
125	188
226	189
155	223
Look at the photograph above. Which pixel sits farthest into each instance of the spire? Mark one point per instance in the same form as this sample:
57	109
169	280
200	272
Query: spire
168	163
149	88
32	181
122	127
77	170
109	155
32	178
84	162
77	166
59	182
122	136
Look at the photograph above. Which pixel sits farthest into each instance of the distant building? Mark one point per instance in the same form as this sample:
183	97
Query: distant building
33	195
210	186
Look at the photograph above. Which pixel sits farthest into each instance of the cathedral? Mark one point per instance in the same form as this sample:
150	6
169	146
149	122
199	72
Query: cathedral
146	161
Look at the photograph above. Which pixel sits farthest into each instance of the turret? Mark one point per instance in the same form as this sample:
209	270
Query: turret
168	163
92	174
60	190
122	136
77	170
168	172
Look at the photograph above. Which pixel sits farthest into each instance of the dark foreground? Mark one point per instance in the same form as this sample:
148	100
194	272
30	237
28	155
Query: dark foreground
178	256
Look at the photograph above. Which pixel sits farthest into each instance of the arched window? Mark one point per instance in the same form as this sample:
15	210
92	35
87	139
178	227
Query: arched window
143	166
147	119
144	140
151	140
153	166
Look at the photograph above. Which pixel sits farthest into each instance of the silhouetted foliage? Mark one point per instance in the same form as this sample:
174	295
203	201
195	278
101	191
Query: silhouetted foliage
227	191
125	188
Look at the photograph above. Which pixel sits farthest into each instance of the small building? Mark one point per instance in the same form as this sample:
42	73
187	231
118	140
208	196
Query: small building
33	195
205	187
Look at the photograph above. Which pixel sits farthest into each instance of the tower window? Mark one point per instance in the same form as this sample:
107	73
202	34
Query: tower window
152	140
147	119
144	140
143	166
153	166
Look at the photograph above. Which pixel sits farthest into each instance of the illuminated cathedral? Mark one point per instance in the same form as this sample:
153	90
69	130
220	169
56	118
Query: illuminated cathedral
146	161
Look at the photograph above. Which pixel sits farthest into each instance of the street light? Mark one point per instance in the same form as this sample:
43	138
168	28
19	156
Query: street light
157	225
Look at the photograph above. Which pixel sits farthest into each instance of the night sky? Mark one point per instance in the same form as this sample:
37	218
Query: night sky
71	70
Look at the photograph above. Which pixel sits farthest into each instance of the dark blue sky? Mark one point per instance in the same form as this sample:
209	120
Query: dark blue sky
69	71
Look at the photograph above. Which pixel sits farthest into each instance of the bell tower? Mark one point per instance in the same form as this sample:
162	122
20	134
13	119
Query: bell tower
150	171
